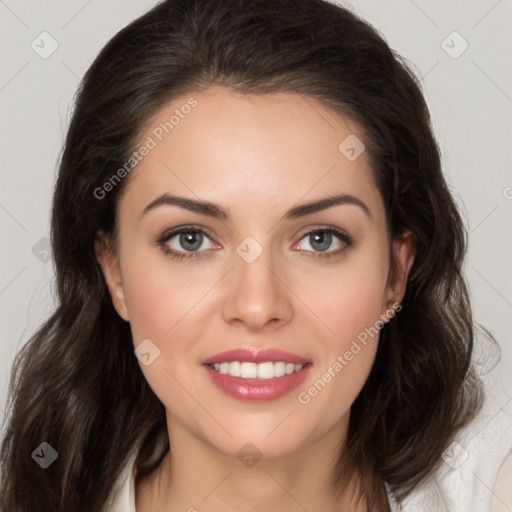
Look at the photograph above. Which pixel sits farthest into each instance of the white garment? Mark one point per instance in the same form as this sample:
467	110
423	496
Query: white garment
467	480
122	498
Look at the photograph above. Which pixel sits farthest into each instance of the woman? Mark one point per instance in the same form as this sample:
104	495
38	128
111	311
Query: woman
261	302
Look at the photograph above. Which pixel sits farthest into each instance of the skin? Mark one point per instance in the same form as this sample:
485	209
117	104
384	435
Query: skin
257	157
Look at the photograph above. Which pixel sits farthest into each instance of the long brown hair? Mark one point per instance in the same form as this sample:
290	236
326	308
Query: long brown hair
77	385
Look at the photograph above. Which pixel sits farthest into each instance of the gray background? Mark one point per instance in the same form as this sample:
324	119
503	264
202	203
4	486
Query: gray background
470	98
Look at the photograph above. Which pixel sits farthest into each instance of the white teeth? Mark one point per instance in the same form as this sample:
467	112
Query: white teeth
266	371
263	371
279	369
248	370
235	369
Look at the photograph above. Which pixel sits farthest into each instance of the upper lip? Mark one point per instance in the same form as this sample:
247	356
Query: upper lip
255	356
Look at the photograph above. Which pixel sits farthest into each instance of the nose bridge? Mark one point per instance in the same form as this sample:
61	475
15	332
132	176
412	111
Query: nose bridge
257	295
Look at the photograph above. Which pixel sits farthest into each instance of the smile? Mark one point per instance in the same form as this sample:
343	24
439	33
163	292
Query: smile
257	374
262	371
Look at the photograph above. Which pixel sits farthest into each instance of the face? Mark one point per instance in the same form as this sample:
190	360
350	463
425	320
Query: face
254	271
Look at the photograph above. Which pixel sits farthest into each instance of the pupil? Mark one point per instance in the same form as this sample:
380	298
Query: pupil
322	239
192	238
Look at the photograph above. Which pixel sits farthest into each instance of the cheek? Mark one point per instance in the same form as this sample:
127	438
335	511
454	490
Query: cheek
347	296
161	294
166	305
348	300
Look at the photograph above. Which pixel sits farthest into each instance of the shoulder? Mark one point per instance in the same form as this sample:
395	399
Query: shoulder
502	492
476	471
472	470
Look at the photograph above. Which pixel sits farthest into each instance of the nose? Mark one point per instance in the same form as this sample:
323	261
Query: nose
257	295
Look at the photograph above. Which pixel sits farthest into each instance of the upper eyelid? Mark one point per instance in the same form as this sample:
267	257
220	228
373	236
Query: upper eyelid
170	233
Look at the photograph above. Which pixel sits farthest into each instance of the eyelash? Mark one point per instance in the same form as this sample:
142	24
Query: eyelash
340	234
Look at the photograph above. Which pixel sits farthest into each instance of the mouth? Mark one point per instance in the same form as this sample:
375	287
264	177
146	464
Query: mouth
257	375
261	371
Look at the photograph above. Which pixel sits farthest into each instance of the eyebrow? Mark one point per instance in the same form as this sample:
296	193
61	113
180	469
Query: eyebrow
217	212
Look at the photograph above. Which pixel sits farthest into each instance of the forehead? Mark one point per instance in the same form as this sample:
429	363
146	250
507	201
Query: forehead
249	151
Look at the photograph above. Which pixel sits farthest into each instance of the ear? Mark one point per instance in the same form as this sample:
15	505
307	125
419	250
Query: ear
404	251
109	264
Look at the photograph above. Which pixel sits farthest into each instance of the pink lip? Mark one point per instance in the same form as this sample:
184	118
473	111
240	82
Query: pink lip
257	390
255	356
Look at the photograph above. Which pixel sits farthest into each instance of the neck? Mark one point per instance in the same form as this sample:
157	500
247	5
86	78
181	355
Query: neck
198	476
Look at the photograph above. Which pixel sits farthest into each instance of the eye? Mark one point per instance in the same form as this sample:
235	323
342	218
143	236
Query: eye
186	242
190	242
320	241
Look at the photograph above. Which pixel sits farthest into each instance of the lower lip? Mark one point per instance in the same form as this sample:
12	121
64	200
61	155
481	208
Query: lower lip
257	390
